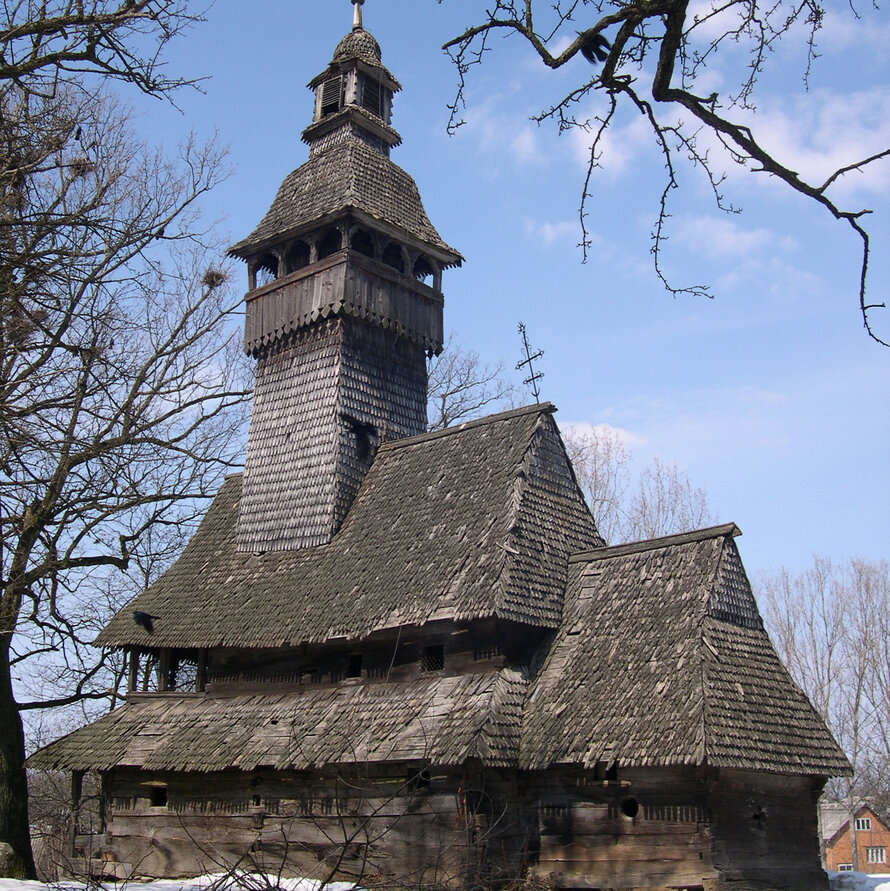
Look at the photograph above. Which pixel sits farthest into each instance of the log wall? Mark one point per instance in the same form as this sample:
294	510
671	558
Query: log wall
402	822
655	829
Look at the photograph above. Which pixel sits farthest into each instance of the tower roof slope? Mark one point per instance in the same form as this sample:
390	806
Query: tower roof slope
472	522
662	659
350	175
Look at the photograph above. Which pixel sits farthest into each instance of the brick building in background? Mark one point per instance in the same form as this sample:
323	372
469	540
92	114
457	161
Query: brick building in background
871	834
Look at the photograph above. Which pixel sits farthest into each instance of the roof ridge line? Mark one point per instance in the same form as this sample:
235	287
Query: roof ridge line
651	544
542	408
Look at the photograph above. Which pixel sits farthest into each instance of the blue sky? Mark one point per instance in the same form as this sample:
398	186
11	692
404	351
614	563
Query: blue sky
770	395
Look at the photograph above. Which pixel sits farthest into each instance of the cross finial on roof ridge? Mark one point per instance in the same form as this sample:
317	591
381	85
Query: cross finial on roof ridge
357	15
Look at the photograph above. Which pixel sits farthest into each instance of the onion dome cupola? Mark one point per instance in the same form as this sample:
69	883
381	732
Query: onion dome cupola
344	305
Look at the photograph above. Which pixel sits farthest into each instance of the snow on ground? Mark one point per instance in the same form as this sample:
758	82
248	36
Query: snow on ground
840	881
858	881
201	883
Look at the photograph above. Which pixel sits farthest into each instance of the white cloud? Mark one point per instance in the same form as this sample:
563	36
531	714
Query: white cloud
713	236
584	428
498	134
620	146
568	231
815	134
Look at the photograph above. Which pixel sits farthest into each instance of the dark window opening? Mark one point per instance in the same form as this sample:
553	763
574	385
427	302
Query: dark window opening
394	257
420	780
362	242
355	666
297	256
423	272
330	244
372	96
158	796
257	800
432	658
183	673
607	773
630	807
310	675
366	439
331	96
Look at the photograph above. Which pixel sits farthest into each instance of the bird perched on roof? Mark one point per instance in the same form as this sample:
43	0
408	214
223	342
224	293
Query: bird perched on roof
145	620
596	49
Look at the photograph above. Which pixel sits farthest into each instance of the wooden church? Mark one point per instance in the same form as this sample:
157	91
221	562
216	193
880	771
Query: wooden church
408	658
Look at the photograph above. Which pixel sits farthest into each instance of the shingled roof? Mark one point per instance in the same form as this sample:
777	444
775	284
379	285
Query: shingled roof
662	659
443	720
471	522
348	176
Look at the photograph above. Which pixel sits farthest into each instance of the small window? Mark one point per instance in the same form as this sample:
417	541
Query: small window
158	796
863	824
330	244
845	867
331	95
297	256
432	658
362	242
630	807
423	271
420	780
875	855
372	96
394	257
355	666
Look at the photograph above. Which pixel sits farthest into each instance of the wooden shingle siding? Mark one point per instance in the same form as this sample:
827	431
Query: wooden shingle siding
304	465
642	671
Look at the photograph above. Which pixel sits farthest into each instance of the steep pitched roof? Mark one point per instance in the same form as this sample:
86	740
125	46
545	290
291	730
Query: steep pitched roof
349	175
662	659
470	522
443	720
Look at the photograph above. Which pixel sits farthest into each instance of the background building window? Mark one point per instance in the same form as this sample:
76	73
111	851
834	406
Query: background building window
875	855
863	824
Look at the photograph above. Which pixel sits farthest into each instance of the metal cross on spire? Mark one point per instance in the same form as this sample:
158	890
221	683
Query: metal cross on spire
357	14
533	376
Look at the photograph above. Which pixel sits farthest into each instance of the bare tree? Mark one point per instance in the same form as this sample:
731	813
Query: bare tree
658	500
121	397
461	385
830	625
664	502
45	43
670	44
602	466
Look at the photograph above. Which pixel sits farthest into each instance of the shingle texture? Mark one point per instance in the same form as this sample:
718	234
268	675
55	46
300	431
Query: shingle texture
661	659
443	720
462	524
305	460
349	175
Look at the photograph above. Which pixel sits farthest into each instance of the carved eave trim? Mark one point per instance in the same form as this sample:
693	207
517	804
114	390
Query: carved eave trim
357	115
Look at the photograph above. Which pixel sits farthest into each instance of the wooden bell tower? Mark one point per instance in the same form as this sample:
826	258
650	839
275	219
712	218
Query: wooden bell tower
344	305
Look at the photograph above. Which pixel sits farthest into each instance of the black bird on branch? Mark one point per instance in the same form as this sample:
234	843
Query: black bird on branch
145	620
596	49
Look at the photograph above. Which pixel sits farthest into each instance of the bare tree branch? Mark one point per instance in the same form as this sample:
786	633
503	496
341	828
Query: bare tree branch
662	41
